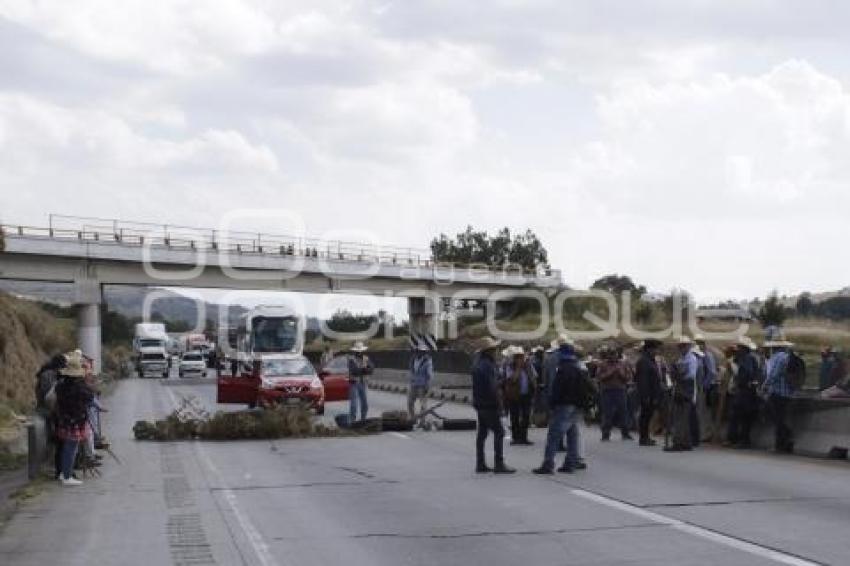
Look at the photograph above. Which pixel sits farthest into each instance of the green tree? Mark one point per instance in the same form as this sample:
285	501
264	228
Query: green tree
617	284
805	305
500	250
772	312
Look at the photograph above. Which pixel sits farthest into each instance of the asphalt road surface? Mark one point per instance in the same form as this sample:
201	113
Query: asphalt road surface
413	499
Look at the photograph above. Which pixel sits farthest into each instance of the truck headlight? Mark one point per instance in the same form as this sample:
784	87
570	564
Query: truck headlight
266	383
316	383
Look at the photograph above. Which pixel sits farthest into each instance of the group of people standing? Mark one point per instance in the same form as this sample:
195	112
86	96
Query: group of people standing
688	397
67	399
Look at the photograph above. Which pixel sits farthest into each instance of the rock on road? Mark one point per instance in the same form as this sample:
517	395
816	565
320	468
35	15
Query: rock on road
413	499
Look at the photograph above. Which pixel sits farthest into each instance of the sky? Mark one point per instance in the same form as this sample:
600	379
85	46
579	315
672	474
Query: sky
692	144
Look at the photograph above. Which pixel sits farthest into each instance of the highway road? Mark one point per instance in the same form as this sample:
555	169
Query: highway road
413	499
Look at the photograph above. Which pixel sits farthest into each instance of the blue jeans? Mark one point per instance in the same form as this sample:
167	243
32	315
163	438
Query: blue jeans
69	454
563	420
357	390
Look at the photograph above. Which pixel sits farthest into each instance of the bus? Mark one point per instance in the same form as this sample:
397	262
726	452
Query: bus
268	331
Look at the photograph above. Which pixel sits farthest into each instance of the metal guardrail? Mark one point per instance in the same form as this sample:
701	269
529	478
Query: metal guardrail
171	236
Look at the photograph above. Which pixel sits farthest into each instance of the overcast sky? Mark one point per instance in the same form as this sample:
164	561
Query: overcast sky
702	145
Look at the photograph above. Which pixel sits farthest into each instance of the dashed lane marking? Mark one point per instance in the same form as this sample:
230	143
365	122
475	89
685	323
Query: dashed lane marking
252	534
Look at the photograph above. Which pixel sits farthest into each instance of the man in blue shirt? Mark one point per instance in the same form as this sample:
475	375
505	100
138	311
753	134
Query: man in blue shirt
487	402
684	395
421	373
779	392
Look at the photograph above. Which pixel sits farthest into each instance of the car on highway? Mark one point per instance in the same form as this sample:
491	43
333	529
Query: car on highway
153	364
334	376
283	380
192	364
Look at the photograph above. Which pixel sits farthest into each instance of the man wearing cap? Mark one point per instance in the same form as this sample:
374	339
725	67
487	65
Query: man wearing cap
648	380
745	383
778	390
488	404
684	380
359	368
421	373
565	410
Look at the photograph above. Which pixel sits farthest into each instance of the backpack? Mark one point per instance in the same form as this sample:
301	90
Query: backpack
796	372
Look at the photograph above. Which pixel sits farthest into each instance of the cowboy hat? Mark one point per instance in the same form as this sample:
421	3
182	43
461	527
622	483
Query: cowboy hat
563	339
746	342
518	351
651	343
684	341
359	346
778	344
699	338
488	343
538	349
74	365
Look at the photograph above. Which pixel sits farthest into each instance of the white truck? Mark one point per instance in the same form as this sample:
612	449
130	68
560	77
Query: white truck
150	344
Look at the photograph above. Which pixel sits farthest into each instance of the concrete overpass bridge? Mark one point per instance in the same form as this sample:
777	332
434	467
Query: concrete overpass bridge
89	253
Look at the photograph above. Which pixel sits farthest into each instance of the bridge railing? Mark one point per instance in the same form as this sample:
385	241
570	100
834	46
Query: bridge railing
170	236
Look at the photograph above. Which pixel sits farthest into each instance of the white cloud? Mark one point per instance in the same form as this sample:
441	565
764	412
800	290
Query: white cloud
723	145
602	126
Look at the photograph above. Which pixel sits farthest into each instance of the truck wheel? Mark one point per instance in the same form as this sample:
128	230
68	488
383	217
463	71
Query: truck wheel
165	375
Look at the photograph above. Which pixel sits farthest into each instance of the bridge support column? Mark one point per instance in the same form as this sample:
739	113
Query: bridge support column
424	315
87	298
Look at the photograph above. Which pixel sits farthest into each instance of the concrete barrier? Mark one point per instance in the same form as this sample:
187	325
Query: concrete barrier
821	427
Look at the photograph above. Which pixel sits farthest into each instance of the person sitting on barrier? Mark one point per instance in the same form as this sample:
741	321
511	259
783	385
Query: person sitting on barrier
488	403
73	398
518	386
421	374
359	368
832	368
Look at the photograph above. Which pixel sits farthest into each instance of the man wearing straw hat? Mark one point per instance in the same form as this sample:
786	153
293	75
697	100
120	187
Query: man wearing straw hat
421	374
359	367
684	392
745	383
488	404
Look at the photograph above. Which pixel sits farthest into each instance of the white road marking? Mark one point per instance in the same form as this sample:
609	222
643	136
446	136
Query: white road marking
258	544
400	435
694	530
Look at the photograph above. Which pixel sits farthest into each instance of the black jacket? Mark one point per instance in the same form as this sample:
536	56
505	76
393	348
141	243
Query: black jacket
571	385
485	383
73	398
648	377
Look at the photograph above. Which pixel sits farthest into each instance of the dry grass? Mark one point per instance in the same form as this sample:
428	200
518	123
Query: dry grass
28	335
283	422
